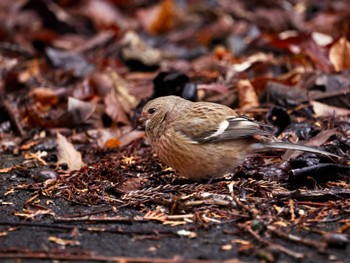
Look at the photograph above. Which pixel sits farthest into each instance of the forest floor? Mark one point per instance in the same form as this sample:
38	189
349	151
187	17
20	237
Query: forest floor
79	182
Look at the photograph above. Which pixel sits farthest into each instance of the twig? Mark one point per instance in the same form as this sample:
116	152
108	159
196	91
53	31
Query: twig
270	244
88	229
100	219
329	194
297	239
91	257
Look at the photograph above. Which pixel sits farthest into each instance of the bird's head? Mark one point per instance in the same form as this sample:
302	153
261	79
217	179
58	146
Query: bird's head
156	112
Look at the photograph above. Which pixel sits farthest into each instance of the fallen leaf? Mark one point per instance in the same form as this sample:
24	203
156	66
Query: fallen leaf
217	87
68	154
28	145
256	58
115	109
316	141
215	30
7	169
247	95
324	110
69	61
339	54
158	19
79	111
106	15
130	137
122	88
32	71
45	96
134	48
321	39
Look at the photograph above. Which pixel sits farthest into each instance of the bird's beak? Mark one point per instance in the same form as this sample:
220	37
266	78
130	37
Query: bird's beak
141	123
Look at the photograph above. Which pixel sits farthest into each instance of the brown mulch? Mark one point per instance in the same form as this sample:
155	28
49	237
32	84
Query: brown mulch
78	180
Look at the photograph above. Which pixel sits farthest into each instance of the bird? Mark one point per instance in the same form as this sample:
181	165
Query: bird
205	140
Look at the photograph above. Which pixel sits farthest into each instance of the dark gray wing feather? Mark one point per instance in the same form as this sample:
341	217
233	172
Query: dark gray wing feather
231	129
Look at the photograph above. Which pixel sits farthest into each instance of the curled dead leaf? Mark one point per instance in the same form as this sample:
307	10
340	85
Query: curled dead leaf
339	54
68	154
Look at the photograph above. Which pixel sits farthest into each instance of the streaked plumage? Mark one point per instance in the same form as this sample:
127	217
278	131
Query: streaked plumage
203	140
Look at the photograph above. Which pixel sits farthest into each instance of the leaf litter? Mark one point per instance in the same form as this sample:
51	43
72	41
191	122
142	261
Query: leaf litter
72	161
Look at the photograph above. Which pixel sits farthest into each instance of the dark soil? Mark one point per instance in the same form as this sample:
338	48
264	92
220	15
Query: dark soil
78	180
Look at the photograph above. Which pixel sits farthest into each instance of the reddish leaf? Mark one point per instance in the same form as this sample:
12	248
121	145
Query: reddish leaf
158	19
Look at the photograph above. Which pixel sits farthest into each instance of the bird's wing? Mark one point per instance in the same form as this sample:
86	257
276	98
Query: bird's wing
216	125
231	128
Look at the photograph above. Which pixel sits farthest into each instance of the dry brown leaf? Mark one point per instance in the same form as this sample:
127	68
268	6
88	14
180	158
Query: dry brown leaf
134	48
45	96
250	61
68	154
32	71
79	111
217	29
28	145
324	110
115	109
158	19
119	103
247	95
316	141
130	137
339	54
217	87
7	169
128	101
105	14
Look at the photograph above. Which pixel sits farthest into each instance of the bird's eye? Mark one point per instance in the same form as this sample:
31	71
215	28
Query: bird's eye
151	110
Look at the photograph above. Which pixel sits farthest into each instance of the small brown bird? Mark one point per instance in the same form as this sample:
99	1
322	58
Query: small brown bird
203	140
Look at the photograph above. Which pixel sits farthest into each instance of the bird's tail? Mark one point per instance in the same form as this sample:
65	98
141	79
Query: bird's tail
289	146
